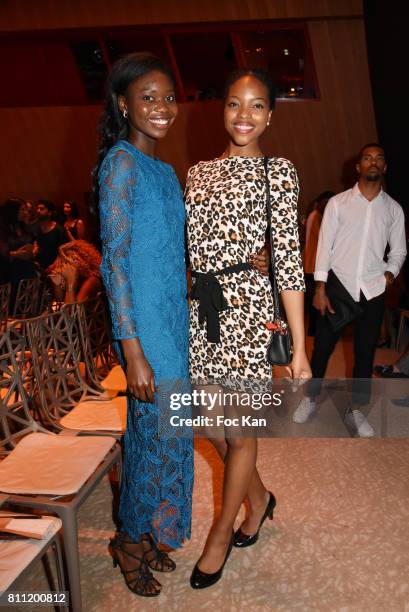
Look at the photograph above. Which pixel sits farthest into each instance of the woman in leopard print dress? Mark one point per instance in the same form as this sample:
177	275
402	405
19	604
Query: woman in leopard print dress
226	221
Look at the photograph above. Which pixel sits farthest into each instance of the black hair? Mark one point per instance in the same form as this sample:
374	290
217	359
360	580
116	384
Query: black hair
325	195
113	126
9	214
75	213
367	146
48	204
261	75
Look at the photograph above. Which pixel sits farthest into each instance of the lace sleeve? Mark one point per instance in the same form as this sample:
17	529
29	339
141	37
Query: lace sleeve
116	182
285	190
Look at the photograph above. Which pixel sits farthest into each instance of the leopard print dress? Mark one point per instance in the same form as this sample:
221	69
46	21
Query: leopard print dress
226	223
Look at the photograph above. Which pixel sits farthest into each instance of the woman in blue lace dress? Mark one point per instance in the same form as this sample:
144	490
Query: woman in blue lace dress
143	269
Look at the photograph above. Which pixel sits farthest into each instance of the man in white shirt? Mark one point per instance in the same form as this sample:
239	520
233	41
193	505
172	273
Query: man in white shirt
357	226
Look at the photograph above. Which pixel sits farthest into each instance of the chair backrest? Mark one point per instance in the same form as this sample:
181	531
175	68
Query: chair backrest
16	418
96	326
55	351
27	298
45	299
83	344
5	291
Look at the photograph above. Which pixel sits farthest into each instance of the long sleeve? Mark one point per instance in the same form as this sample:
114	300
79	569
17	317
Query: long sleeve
326	239
117	178
397	243
284	194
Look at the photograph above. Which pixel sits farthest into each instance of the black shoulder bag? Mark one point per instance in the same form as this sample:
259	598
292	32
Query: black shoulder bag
279	351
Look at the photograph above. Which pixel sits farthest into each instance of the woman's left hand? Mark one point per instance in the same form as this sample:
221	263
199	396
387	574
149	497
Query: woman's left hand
300	367
261	261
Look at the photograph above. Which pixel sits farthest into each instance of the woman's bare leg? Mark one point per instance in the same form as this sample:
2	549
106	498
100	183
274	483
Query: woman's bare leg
239	466
257	495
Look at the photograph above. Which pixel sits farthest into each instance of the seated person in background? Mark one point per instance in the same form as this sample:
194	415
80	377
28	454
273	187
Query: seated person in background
312	230
32	223
16	245
400	369
50	235
74	226
75	272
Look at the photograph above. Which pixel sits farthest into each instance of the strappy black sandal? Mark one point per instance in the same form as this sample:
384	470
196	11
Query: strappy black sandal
158	560
143	576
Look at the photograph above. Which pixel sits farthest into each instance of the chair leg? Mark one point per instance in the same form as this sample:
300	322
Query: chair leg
48	571
72	560
59	566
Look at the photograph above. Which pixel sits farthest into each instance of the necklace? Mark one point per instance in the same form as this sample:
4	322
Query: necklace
226	156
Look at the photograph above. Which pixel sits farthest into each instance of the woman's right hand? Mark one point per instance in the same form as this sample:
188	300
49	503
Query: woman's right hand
70	273
139	374
25	252
321	301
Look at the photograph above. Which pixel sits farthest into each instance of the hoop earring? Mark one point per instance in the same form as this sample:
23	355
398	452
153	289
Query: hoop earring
125	114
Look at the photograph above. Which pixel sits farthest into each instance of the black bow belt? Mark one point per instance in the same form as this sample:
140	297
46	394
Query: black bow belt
209	292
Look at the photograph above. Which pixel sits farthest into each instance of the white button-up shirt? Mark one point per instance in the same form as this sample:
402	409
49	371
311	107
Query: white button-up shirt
352	241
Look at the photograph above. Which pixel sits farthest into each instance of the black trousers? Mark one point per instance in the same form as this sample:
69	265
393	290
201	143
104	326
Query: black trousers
312	312
366	334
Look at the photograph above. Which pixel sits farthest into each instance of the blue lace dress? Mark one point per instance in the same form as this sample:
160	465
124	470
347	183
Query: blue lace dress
143	269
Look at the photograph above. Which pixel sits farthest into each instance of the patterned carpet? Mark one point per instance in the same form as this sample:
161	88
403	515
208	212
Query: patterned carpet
339	540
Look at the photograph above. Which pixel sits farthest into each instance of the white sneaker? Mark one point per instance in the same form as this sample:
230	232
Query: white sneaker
358	421
305	409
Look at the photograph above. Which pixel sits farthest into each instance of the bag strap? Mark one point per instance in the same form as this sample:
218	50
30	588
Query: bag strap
276	297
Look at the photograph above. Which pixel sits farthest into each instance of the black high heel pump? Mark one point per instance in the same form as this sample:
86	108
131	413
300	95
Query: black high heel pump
241	539
201	580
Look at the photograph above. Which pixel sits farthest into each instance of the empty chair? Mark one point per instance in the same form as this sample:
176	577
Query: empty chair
17	556
54	473
96	323
64	399
102	368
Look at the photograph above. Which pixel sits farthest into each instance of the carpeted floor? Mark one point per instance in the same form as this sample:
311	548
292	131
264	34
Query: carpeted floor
339	540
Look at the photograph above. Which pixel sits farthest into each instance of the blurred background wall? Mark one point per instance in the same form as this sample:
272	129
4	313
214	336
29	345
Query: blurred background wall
48	149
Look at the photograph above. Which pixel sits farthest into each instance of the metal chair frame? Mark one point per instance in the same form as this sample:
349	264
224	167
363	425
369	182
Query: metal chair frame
5	291
96	326
56	342
27	298
16	375
83	346
54	545
15	408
